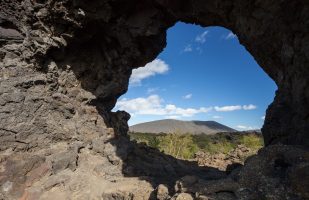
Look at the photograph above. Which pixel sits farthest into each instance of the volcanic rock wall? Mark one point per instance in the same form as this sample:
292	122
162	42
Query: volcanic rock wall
64	63
98	43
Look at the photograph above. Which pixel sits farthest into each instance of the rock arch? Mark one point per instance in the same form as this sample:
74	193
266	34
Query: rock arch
63	64
115	36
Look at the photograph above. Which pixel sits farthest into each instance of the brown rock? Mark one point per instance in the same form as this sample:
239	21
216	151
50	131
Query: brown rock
63	64
184	196
162	192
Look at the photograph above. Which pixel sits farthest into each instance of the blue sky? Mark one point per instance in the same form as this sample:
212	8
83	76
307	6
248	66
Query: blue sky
202	74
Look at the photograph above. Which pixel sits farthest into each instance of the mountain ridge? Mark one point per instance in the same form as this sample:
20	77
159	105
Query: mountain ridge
181	127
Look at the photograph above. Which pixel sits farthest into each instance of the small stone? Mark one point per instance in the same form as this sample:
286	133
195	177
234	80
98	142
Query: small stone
99	170
63	161
7	186
184	196
162	192
98	146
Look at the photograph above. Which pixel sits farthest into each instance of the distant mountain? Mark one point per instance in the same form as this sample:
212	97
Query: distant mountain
178	126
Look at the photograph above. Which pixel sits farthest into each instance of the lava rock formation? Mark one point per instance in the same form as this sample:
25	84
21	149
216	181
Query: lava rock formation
64	63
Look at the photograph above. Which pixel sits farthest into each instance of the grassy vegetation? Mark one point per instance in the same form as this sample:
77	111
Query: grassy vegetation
184	146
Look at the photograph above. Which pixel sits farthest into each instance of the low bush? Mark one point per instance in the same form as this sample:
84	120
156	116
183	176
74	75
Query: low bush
184	146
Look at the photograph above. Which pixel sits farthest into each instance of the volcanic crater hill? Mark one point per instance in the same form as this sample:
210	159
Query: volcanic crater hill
64	63
181	127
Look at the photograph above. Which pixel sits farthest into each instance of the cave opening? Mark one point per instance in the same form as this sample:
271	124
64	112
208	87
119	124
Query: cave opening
203	74
62	75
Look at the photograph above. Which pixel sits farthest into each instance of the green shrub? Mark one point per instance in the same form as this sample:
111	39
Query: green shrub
184	146
252	141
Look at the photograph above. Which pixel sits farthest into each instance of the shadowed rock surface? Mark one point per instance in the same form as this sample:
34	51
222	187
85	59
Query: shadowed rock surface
182	127
63	64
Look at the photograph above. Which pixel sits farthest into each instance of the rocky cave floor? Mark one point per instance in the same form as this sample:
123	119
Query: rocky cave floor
80	171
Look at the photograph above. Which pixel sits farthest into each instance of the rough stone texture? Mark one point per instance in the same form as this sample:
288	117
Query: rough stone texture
63	64
99	43
267	175
225	161
162	192
184	196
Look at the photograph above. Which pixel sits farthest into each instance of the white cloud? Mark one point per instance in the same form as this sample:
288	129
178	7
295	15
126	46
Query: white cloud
217	117
185	112
188	48
202	37
235	107
149	105
153	105
227	108
249	107
155	89
188	96
157	66
152	90
263	117
242	127
230	36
